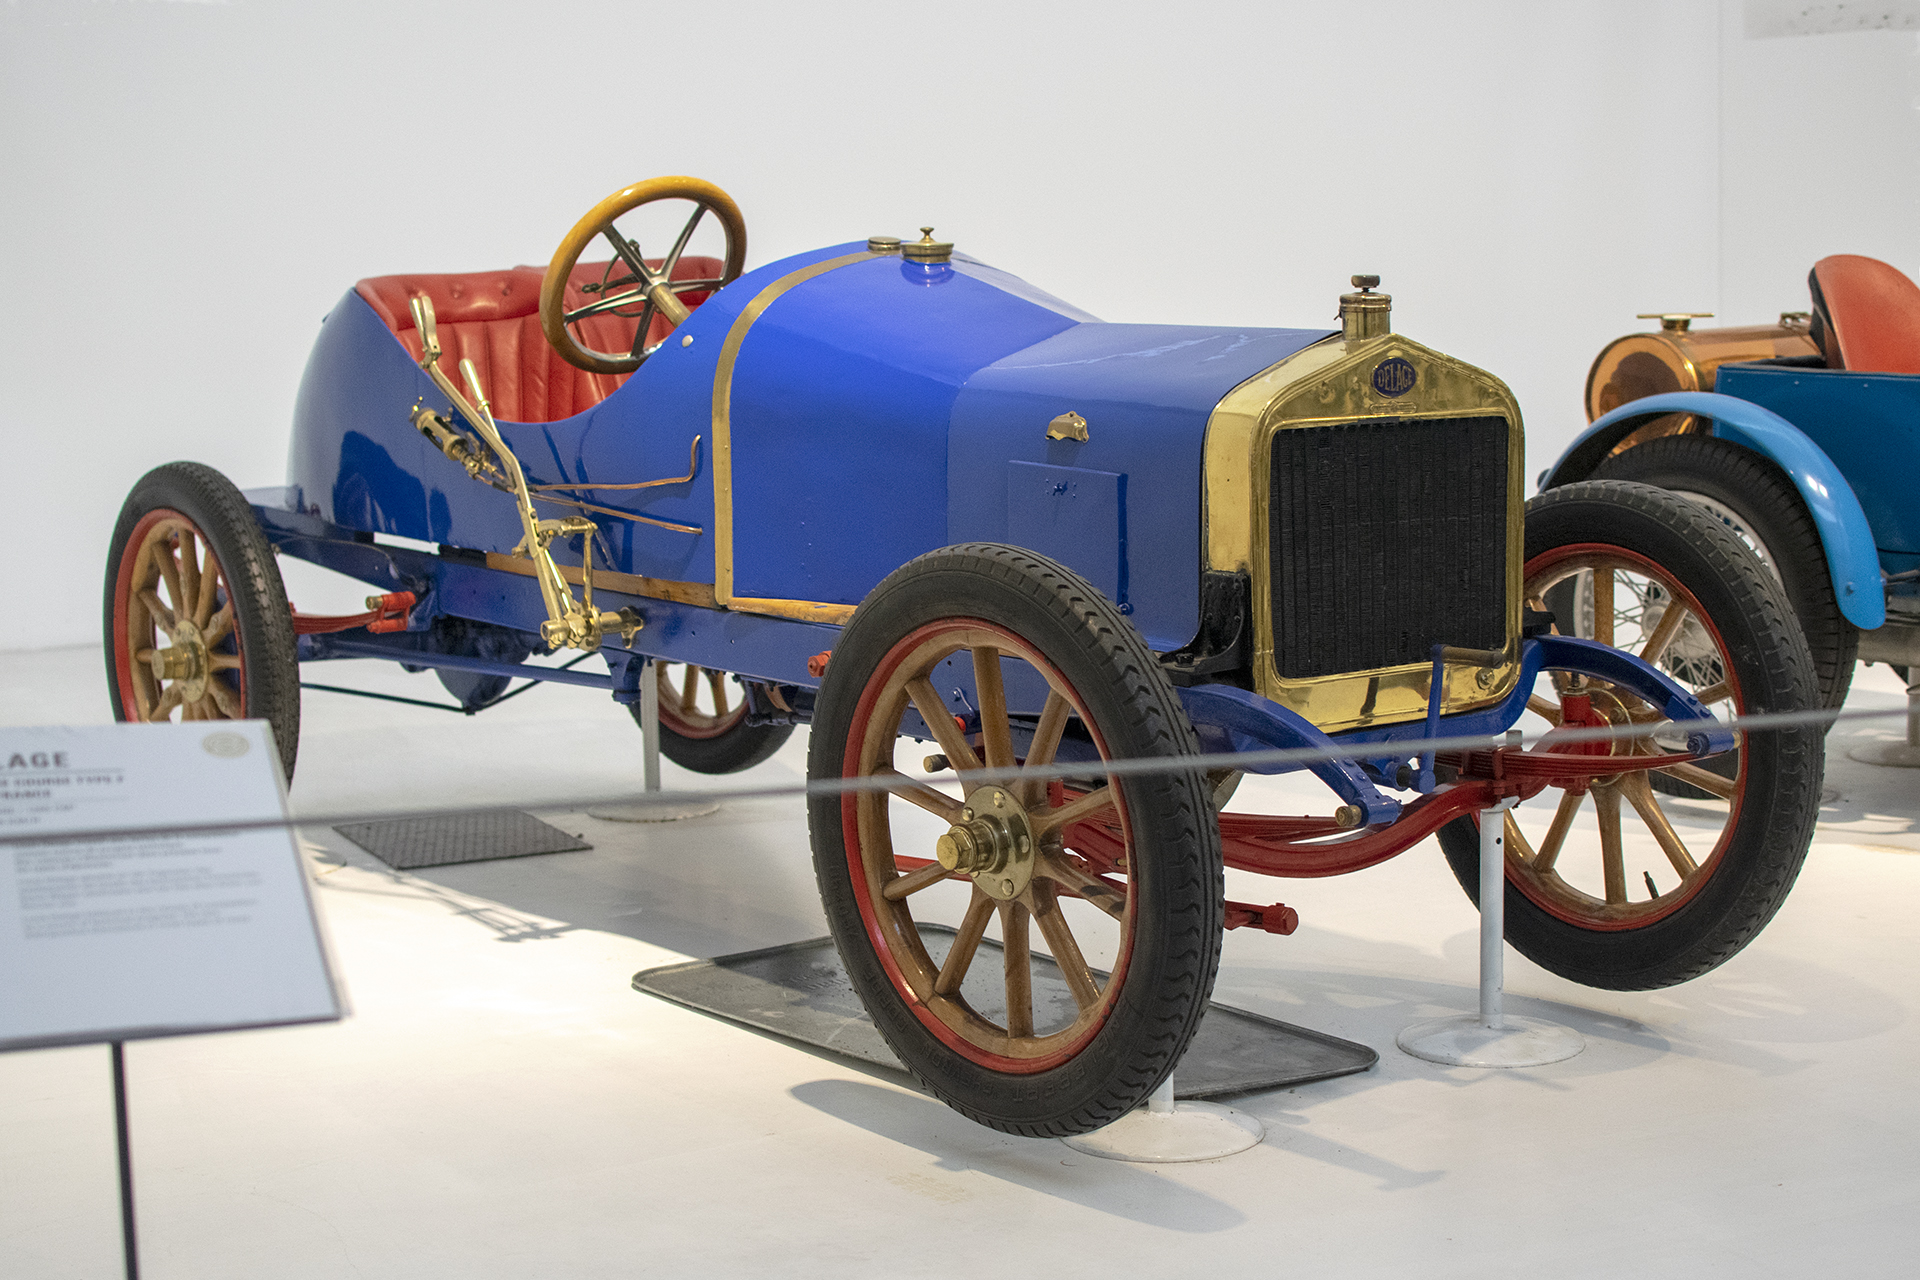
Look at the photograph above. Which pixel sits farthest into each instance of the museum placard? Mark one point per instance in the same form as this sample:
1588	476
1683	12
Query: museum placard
161	932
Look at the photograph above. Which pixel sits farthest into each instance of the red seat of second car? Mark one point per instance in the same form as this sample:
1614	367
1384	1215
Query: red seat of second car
493	319
1866	315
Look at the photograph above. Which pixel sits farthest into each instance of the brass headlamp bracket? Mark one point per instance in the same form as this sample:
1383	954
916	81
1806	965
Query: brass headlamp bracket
570	623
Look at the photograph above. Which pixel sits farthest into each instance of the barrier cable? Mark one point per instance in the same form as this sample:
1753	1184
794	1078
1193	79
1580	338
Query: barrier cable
1763	722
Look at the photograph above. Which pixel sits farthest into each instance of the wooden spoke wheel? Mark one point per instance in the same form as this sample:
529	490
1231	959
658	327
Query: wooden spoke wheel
634	286
703	721
1612	883
196	619
1038	954
1687	651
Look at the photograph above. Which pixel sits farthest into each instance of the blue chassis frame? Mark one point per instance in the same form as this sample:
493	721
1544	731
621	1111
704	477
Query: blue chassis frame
1227	719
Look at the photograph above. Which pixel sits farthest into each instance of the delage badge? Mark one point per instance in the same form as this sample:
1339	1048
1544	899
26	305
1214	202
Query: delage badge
1394	377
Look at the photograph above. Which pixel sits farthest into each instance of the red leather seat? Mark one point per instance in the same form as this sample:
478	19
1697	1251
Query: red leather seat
493	319
1866	315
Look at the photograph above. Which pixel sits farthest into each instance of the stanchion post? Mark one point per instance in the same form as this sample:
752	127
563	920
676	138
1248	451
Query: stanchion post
1913	710
1493	910
127	1239
1897	755
1169	1132
650	810
650	726
1492	1039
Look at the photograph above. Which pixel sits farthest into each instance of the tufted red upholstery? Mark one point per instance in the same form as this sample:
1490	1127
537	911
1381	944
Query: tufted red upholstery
493	319
1866	315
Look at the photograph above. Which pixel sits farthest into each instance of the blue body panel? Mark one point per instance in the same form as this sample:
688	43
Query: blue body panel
879	410
1868	423
842	397
1836	512
876	412
1146	391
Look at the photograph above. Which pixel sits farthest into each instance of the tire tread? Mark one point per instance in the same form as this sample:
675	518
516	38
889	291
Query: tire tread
1785	768
265	623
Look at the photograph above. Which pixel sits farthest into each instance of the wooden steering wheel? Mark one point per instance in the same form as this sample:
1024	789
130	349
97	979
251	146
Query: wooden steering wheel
632	286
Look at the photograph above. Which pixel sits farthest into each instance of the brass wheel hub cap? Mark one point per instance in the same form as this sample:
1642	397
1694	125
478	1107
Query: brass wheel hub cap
992	843
185	660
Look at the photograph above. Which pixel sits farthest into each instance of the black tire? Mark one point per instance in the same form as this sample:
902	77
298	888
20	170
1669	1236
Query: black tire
1114	1043
1759	830
251	670
715	738
1757	501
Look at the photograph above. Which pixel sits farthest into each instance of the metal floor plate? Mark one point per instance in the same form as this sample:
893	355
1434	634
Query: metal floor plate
409	844
802	992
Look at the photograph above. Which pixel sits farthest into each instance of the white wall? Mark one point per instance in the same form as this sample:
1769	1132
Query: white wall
1819	150
188	187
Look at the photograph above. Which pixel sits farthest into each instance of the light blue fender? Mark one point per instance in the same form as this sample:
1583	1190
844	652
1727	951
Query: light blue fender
1836	512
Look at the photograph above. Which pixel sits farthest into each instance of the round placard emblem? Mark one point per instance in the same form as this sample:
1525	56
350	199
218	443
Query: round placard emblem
225	745
1394	377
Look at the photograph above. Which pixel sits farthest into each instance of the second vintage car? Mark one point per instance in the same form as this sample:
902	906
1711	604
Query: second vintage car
892	492
1803	437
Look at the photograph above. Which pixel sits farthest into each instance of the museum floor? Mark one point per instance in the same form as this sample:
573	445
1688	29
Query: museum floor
501	1104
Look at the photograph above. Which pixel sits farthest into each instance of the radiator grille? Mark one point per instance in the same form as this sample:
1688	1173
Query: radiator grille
1386	538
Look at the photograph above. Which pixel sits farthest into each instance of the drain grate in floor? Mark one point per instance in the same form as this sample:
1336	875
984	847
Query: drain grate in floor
409	844
801	991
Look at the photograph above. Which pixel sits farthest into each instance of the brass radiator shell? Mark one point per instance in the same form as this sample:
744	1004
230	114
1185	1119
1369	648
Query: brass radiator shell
1335	382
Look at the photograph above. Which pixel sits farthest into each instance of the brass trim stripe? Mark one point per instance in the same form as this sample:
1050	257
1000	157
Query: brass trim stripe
804	610
697	593
723	451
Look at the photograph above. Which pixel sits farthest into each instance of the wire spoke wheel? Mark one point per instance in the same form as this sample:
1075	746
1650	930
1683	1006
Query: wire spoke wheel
1616	881
1038	952
196	620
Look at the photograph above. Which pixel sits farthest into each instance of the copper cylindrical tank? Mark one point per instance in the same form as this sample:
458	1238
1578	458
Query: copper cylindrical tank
1682	358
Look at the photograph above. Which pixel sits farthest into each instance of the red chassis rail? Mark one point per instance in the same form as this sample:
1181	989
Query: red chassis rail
1305	848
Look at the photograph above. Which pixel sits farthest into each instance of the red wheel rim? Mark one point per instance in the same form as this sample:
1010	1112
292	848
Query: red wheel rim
873	861
172	598
1637	842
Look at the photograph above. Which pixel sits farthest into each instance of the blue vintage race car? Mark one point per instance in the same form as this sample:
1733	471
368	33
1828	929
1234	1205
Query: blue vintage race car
889	491
1803	437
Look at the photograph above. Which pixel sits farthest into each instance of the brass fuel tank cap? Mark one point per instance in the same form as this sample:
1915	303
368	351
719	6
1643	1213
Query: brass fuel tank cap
1676	321
926	248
